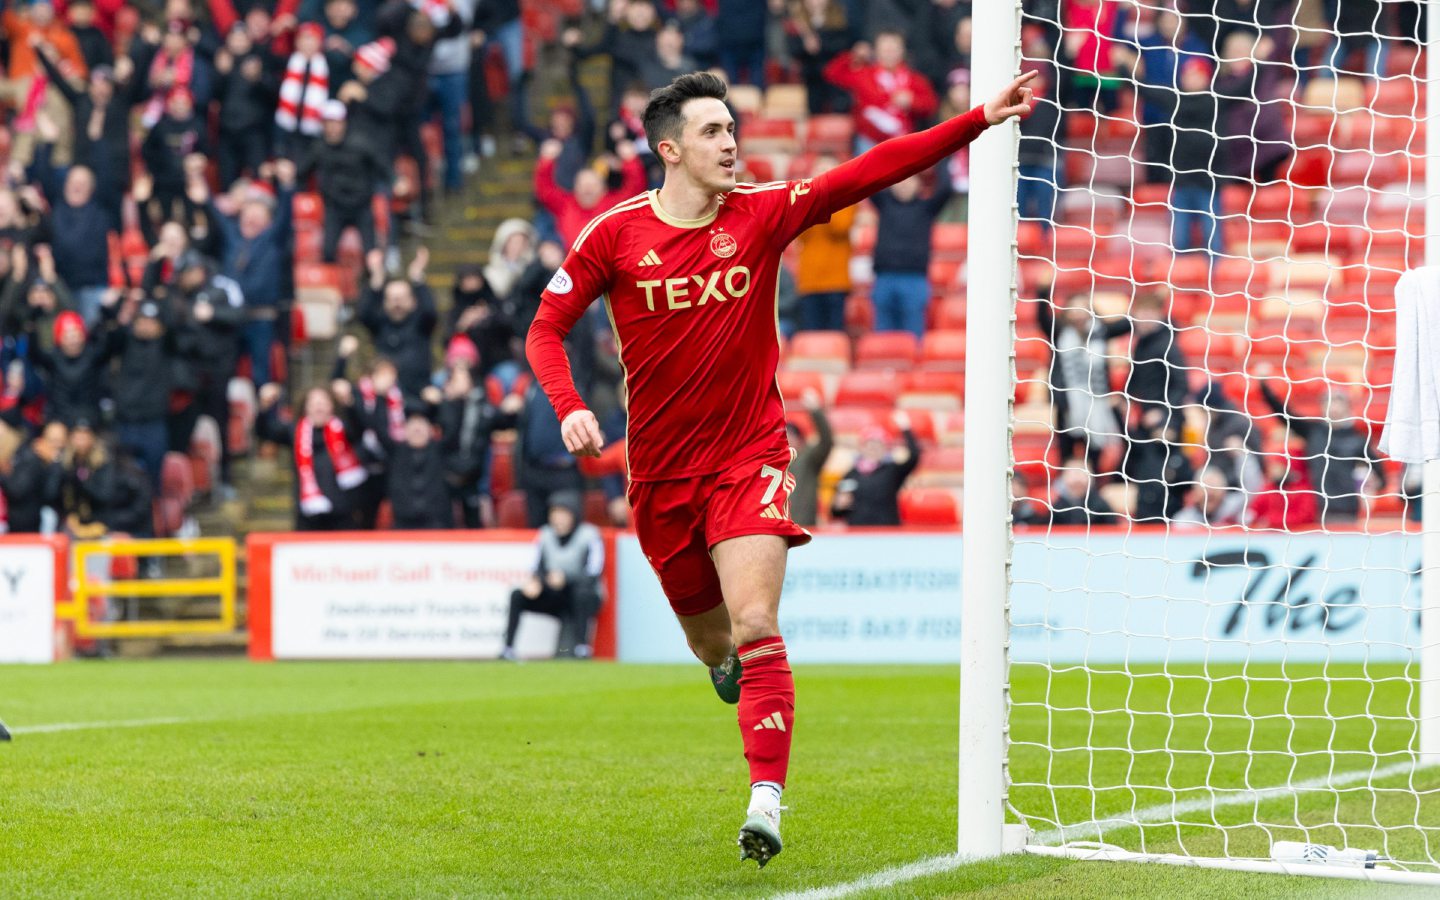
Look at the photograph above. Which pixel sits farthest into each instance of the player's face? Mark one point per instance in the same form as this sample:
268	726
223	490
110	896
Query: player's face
707	150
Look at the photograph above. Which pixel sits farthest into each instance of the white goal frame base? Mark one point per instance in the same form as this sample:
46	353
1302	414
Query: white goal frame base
1090	852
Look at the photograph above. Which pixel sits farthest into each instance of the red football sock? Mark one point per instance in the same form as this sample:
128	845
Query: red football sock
767	708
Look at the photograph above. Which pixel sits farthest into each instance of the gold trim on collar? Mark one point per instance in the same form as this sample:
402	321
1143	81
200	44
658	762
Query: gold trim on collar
668	219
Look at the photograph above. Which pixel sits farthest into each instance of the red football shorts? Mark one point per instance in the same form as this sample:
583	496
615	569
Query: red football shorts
678	521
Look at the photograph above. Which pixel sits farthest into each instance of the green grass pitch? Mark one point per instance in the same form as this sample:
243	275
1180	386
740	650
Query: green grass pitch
544	780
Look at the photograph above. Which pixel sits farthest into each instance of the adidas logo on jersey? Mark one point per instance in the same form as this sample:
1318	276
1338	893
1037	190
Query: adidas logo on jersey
771	721
650	259
771	512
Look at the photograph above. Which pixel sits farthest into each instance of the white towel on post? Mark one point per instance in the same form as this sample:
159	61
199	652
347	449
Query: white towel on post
1412	423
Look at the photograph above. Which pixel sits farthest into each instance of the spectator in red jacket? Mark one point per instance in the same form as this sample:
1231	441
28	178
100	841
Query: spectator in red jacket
573	210
891	98
1289	501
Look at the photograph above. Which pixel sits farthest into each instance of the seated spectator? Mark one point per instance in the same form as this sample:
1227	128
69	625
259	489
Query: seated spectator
869	494
33	482
901	293
1213	502
346	171
1341	456
574	210
417	489
569	561
809	461
511	252
323	440
1085	418
400	315
1025	509
822	276
1077	499
1289	501
890	98
819	31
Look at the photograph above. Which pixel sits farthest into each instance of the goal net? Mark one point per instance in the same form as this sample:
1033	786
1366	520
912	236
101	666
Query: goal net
1214	649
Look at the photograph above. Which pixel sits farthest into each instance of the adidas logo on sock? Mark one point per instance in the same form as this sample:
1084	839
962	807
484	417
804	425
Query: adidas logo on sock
771	721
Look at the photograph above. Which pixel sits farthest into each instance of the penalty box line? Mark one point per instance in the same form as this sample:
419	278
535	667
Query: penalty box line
54	727
1150	815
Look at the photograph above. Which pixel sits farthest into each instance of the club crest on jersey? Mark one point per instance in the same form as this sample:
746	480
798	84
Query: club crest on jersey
723	245
560	283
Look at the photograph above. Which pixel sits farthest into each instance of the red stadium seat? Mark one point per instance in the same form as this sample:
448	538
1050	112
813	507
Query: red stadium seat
949	314
934	390
943	351
848	421
308	210
873	390
819	351
510	511
887	350
832	134
794	385
770	135
502	468
934	507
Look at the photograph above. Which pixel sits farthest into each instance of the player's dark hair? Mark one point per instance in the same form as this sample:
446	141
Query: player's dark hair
664	118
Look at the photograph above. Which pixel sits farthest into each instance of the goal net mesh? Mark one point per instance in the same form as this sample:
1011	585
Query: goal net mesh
1214	629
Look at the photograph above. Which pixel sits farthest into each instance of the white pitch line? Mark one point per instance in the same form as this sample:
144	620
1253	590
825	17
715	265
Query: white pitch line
1163	812
52	727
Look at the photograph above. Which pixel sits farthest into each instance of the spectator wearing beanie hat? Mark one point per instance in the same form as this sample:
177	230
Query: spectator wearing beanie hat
469	421
74	371
346	171
419	495
477	315
374	98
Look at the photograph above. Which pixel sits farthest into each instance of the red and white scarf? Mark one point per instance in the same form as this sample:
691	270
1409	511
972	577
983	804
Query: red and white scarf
184	70
303	94
348	471
394	407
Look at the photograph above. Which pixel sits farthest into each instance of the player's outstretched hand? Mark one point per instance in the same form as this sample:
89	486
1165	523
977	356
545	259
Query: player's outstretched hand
1016	100
582	433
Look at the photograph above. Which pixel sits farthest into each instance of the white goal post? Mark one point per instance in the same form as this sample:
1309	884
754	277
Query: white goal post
1238	681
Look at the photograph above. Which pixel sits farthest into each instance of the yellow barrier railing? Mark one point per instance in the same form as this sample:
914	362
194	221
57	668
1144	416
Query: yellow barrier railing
222	587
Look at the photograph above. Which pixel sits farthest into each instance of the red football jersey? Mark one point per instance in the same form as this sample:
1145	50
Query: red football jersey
693	304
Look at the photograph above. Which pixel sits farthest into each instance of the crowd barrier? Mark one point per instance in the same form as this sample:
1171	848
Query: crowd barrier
850	597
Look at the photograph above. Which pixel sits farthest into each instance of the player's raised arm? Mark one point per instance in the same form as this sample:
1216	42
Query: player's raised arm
892	161
570	292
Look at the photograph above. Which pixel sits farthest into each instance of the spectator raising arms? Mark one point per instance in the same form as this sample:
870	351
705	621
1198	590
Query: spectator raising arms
323	442
890	98
347	169
401	317
869	494
810	456
573	210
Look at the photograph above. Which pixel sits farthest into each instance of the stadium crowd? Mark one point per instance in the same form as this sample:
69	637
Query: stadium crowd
147	277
